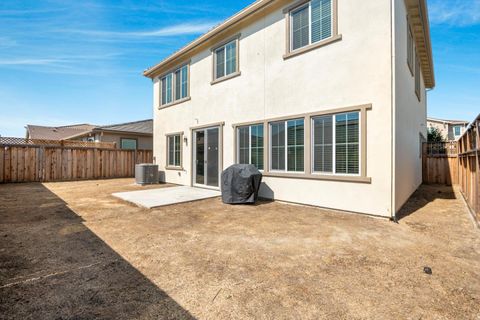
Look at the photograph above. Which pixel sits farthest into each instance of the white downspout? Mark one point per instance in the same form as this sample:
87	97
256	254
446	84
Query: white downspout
393	115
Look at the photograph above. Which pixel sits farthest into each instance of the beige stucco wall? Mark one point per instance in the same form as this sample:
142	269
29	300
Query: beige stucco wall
410	116
143	142
353	71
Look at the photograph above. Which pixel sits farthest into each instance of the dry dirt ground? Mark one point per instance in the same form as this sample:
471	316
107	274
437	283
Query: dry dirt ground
72	251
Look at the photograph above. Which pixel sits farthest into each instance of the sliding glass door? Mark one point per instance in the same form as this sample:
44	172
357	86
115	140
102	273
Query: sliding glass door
207	157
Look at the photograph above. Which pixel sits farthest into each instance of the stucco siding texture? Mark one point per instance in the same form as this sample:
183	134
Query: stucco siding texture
143	142
353	71
410	116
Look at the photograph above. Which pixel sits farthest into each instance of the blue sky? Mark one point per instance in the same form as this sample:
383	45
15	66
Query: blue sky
64	62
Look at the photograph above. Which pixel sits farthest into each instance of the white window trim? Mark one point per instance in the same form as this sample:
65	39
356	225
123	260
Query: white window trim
334	147
270	146
302	6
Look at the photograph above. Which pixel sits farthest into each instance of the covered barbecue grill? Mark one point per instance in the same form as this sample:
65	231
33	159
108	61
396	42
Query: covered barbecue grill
240	184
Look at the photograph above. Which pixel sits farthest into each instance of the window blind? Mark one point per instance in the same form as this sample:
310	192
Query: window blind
230	59
323	144
243	145
321	11
295	145
184	82
347	143
171	150
300	27
256	138
278	146
178	85
220	62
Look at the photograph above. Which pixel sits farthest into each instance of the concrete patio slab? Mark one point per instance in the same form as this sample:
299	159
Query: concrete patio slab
166	196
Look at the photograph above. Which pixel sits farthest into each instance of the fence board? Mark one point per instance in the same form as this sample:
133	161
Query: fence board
30	163
2	162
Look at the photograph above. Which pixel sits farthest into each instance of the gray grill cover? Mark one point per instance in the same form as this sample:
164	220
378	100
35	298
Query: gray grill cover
240	184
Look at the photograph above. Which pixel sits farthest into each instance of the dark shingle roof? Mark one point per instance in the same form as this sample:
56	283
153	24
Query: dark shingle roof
58	133
142	126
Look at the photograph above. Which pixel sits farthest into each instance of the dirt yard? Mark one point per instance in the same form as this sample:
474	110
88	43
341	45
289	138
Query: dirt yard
72	251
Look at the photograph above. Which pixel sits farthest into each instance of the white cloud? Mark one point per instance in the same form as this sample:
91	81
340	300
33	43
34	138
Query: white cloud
175	30
454	12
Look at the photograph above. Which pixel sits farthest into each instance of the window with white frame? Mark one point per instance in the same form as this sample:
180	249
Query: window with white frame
310	23
287	148
174	152
336	143
174	85
226	60
250	145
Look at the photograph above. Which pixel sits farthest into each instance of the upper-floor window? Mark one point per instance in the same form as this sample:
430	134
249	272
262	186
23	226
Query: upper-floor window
225	60
310	23
174	86
417	77
410	47
457	130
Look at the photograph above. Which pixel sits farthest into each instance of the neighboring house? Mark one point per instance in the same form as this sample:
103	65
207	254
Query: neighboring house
130	135
326	97
56	133
450	129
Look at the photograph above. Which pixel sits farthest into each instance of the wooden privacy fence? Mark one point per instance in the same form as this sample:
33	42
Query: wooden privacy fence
469	156
35	163
456	163
440	163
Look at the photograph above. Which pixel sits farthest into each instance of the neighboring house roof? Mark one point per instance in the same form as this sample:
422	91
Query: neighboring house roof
57	133
448	121
417	9
142	127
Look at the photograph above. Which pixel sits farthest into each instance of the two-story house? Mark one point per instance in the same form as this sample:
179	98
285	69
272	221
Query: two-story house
326	97
450	129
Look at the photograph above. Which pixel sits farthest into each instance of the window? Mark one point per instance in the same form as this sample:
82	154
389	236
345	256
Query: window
457	130
417	77
174	150
287	145
226	59
336	143
410	51
311	23
174	86
250	145
129	144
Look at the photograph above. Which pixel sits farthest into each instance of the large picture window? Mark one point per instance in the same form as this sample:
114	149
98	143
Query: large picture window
174	86
336	143
250	145
174	151
311	23
287	146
